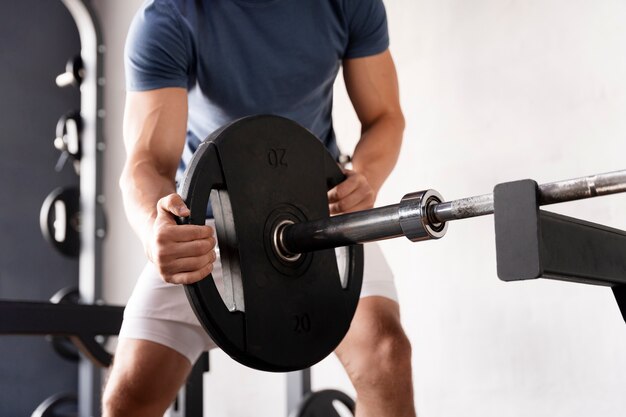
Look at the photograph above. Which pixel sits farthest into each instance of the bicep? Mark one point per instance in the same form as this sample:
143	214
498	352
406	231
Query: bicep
372	86
155	125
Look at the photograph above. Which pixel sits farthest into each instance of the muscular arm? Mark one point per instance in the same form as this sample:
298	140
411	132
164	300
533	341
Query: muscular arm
154	136
372	85
155	123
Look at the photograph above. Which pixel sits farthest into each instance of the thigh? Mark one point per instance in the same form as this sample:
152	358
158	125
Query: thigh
190	340
377	320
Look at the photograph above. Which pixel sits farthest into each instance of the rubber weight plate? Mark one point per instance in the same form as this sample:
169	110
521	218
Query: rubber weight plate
59	220
285	316
58	405
62	344
325	403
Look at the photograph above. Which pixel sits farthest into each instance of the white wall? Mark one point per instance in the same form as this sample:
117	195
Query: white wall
492	91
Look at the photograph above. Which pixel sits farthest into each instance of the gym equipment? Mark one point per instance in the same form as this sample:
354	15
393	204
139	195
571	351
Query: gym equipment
190	399
323	403
37	38
75	327
62	344
81	321
57	405
67	140
533	243
79	135
282	300
74	73
423	215
284	306
59	220
89	73
70	346
302	401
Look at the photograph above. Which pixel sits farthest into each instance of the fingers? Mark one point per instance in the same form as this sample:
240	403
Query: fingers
192	276
192	248
188	270
354	193
182	254
184	262
168	207
173	204
171	232
172	256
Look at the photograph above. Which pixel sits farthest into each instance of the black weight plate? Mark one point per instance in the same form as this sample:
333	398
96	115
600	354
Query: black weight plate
322	404
62	345
71	145
58	405
295	314
59	220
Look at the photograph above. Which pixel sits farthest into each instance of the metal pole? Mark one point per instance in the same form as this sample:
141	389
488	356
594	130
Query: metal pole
422	215
348	229
550	193
298	387
91	197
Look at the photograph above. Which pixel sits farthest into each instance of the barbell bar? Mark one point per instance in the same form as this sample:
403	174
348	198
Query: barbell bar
423	215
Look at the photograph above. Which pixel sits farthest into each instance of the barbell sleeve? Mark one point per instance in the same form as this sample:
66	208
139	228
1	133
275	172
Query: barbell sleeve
549	193
343	230
423	215
408	218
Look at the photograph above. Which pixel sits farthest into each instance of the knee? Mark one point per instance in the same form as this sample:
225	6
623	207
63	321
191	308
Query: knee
120	399
144	379
110	402
382	358
117	401
390	353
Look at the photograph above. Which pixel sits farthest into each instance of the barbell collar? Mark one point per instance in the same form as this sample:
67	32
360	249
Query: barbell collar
413	215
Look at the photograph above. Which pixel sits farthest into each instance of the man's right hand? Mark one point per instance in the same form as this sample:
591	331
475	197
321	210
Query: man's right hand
183	254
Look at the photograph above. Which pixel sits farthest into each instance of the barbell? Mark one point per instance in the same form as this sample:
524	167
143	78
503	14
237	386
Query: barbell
291	273
424	215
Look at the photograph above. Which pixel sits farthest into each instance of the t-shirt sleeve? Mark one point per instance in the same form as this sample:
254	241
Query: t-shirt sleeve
367	24
159	48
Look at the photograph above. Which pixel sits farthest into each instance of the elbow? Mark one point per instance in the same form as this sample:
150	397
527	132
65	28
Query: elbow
400	121
392	118
396	119
124	179
397	116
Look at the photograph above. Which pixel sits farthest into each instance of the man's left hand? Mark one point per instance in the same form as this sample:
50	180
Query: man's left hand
353	194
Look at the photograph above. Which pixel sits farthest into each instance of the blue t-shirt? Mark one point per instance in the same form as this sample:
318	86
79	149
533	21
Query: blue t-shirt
243	57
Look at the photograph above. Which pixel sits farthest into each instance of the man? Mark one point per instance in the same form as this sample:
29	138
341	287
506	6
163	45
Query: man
191	68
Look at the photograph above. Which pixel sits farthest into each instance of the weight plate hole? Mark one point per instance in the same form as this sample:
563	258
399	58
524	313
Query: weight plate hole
278	245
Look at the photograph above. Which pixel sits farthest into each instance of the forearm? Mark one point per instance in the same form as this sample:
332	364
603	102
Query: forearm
372	85
155	122
377	151
142	187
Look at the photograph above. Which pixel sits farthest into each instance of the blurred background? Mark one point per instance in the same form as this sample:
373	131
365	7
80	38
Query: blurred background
492	91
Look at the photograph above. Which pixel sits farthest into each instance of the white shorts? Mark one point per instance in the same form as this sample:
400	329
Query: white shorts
160	312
